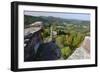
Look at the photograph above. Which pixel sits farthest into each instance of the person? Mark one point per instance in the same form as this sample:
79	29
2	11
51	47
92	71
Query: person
48	51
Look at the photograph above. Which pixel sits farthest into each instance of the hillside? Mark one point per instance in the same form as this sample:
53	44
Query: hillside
49	20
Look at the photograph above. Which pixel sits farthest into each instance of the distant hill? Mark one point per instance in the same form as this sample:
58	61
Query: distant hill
52	20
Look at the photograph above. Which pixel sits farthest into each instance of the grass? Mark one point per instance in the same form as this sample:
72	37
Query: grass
66	52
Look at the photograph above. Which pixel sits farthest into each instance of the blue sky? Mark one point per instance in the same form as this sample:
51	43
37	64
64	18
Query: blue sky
77	16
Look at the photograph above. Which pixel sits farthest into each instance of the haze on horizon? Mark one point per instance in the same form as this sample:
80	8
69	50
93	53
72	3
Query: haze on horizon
76	16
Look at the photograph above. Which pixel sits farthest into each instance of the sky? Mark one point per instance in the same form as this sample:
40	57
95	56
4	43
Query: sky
77	16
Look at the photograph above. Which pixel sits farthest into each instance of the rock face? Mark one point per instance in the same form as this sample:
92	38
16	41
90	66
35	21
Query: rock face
82	52
86	44
32	42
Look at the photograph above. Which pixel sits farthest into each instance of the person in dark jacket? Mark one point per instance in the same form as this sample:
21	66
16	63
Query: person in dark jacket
48	51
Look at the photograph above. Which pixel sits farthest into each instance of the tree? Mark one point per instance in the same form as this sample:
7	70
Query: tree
72	41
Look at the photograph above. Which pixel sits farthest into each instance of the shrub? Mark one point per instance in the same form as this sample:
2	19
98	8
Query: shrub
66	51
